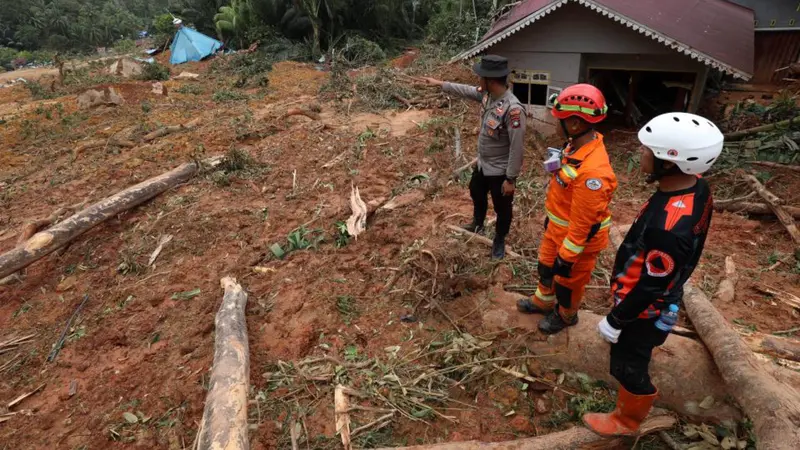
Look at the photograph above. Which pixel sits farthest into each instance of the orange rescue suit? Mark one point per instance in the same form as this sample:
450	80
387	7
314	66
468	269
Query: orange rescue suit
577	225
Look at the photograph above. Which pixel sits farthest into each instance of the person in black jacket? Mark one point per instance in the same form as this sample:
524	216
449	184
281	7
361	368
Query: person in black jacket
655	260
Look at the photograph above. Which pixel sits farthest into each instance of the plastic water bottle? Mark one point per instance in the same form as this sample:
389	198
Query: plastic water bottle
668	319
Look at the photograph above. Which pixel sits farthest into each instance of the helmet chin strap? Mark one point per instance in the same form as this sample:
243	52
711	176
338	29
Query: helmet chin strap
570	136
660	172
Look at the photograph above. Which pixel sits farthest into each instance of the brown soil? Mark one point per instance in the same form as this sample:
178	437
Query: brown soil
137	347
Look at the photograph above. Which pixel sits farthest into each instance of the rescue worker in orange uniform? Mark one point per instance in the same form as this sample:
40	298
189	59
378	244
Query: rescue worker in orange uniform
659	253
577	207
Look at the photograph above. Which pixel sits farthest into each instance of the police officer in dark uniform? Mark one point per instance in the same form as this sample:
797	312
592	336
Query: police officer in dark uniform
500	145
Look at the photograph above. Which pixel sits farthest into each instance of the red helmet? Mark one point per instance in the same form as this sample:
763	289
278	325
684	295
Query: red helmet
580	100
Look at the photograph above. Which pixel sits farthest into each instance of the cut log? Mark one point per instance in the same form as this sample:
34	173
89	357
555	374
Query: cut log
775	203
572	439
775	165
482	240
756	209
744	133
59	235
161	132
224	425
773	406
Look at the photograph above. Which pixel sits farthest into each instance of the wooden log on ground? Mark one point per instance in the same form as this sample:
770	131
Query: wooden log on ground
775	204
573	439
756	209
224	425
482	240
773	165
59	235
164	131
773	406
740	134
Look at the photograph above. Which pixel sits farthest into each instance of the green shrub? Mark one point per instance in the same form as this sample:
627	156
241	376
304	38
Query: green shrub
7	55
124	46
250	68
225	95
154	72
361	52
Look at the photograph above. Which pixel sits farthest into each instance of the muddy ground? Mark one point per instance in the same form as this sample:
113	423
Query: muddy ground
143	343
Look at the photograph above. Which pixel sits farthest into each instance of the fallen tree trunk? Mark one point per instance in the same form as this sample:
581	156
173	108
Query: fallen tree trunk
757	209
572	439
773	406
224	425
564	440
164	131
775	204
740	134
46	242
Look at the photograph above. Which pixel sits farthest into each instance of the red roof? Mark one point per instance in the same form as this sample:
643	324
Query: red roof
717	32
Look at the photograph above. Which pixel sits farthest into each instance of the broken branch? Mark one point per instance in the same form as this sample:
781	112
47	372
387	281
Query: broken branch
482	240
775	203
757	209
164	131
457	172
775	165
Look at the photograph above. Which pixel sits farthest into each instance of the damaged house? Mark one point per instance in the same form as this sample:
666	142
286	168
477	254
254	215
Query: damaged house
648	56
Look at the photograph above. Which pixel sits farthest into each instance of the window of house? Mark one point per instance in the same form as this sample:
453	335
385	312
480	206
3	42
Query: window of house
531	86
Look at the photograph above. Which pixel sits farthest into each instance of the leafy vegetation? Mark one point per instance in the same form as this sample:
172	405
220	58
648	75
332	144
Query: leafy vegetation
154	72
311	28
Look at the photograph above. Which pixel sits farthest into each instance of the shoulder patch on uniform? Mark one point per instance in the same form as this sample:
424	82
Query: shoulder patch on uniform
515	112
659	264
594	184
515	123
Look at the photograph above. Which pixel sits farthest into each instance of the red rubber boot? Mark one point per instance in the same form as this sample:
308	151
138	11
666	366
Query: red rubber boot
625	419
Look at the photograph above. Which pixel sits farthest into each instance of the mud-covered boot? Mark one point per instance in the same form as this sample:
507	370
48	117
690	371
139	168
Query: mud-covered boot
554	323
499	247
473	227
528	306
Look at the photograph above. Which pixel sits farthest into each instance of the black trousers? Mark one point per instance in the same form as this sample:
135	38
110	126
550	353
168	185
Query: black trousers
630	356
479	187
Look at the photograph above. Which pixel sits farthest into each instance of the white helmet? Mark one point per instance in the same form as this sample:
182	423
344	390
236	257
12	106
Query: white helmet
692	142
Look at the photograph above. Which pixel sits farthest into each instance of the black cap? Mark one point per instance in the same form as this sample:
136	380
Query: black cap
492	66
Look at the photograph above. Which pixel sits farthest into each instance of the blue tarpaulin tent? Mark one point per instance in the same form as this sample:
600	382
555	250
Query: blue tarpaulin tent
191	45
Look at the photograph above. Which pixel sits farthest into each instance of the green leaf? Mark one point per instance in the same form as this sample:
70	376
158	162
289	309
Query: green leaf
130	417
277	250
186	295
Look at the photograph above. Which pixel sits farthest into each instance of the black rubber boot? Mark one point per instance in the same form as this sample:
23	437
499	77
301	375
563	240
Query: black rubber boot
473	227
526	306
553	323
499	247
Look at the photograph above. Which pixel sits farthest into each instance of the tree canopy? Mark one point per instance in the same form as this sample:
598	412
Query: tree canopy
81	25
